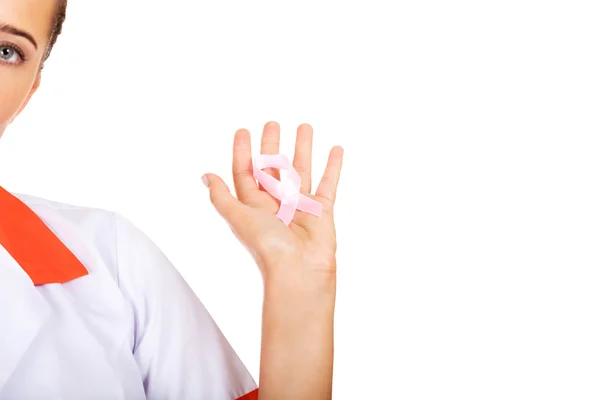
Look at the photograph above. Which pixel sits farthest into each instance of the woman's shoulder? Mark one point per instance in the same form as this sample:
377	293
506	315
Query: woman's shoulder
93	223
37	202
89	232
125	249
79	215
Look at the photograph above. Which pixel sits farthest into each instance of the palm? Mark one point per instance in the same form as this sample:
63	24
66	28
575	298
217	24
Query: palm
266	206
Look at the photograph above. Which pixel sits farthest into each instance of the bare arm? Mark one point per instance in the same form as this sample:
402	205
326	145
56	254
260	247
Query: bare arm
297	262
297	343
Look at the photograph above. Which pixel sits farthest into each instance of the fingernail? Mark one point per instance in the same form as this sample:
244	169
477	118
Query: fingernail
205	180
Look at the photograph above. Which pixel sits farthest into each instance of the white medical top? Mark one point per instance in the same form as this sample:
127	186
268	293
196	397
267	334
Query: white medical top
130	329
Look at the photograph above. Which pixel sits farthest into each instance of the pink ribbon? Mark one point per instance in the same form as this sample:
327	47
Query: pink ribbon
287	190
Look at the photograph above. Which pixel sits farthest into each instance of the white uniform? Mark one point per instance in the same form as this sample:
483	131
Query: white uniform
91	309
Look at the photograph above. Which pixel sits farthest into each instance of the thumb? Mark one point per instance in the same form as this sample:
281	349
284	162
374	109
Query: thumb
220	196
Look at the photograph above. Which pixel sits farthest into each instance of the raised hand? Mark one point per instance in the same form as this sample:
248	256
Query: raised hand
306	247
297	262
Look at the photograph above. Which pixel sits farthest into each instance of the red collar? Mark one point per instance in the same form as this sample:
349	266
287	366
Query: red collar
33	245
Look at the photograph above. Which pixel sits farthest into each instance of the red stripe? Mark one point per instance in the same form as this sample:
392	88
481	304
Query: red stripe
33	245
253	395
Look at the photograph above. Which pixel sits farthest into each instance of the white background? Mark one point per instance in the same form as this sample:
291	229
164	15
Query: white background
469	206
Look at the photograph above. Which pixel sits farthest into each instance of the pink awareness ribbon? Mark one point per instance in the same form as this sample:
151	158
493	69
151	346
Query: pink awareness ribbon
287	190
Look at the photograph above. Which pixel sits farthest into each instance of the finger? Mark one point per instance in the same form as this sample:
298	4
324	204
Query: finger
329	183
303	156
226	205
270	144
243	178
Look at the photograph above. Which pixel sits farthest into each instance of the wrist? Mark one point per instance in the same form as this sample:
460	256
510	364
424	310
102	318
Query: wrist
293	282
297	319
300	294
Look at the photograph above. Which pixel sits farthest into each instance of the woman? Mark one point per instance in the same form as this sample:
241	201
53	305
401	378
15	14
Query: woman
90	307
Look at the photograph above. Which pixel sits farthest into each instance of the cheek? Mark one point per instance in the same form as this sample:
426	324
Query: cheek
14	89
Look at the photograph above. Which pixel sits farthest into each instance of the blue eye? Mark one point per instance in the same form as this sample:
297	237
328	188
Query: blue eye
10	54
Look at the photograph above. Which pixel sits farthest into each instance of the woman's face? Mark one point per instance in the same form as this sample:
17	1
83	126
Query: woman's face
25	27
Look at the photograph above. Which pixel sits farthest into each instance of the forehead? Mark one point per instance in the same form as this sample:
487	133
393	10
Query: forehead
32	16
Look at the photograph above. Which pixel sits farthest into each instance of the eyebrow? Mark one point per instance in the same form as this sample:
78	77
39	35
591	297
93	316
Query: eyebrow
17	32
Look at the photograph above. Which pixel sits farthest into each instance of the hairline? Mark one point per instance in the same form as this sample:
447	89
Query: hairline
56	28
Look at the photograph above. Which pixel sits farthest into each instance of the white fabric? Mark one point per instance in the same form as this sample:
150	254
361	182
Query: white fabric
132	329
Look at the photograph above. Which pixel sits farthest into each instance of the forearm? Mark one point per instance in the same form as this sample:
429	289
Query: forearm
297	340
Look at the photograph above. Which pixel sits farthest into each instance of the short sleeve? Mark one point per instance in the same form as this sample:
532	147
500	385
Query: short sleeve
180	351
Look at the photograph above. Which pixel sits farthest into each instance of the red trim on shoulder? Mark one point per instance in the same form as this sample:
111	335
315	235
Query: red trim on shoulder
33	245
253	395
